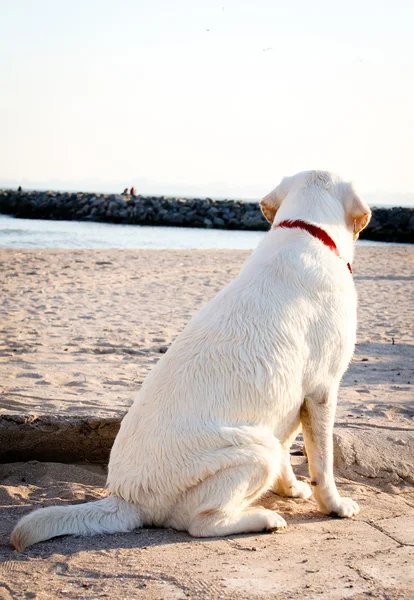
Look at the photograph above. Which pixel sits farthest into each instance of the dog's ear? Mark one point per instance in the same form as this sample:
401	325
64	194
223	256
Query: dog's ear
357	212
360	215
271	203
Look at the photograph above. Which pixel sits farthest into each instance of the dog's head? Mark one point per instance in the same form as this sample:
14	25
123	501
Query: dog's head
357	214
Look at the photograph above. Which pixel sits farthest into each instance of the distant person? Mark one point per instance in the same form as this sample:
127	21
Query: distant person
125	192
19	189
133	191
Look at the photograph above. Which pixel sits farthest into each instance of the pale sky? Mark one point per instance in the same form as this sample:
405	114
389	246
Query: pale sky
206	97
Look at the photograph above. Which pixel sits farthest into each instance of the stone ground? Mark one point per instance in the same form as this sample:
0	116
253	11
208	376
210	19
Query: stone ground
371	556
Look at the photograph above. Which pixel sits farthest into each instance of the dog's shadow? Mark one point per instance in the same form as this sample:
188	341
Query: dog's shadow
295	511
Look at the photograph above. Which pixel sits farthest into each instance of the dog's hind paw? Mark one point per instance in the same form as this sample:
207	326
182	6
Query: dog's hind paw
275	522
300	490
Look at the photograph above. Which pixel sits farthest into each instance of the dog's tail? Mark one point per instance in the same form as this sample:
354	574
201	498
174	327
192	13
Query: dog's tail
110	515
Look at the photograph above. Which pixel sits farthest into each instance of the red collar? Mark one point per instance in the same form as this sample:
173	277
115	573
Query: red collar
317	232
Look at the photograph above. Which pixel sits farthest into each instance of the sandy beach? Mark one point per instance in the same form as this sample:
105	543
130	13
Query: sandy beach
81	329
79	332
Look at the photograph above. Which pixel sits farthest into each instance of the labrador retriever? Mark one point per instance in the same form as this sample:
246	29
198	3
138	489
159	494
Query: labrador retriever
211	427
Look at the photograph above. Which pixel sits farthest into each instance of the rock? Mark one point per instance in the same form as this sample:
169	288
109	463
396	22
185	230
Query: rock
374	223
175	219
253	222
56	438
212	212
398	217
372	453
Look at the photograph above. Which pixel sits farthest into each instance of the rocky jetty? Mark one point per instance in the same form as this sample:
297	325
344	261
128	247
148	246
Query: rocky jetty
387	224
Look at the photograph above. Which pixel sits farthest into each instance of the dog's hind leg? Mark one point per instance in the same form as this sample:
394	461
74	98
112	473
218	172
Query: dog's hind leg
213	523
287	484
221	504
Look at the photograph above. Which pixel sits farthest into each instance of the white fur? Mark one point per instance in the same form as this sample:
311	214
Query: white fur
211	428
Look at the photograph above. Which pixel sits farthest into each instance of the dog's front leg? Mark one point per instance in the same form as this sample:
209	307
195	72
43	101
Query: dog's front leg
317	416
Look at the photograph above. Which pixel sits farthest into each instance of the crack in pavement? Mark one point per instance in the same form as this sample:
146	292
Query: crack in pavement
345	425
384	532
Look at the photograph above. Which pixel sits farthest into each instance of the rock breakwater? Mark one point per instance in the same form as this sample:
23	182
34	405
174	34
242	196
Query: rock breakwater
387	224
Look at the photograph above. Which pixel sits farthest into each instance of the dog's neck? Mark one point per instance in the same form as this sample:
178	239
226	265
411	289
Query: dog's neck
316	232
316	214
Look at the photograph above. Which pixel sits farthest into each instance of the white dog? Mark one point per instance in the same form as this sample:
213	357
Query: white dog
211	427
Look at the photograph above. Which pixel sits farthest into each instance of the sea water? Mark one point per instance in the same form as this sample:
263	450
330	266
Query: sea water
37	233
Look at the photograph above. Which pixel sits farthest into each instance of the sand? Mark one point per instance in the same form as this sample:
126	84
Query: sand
79	332
81	329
